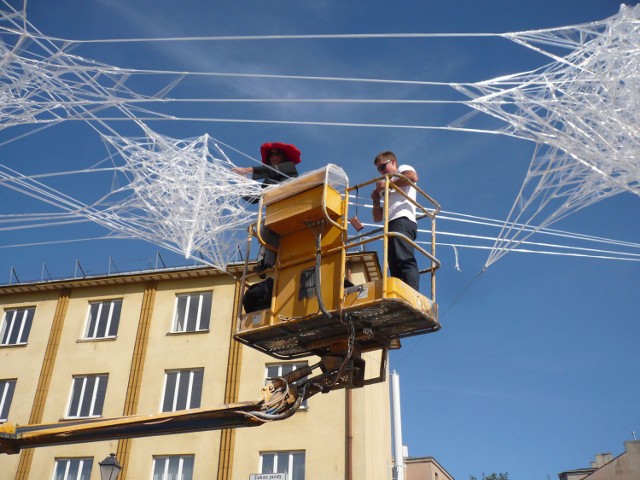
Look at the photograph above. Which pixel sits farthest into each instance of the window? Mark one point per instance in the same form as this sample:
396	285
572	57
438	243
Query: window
291	463
7	388
87	396
174	467
103	319
73	469
16	326
193	312
182	389
280	369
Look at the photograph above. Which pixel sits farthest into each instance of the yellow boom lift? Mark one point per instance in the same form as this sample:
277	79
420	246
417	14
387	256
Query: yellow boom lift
315	308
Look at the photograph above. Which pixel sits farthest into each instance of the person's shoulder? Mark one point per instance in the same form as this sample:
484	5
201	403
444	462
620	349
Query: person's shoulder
406	167
288	167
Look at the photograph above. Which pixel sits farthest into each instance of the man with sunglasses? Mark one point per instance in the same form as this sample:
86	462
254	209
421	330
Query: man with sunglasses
402	217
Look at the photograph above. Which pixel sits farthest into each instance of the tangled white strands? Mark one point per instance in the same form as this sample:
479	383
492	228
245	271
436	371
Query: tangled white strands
181	195
57	87
583	110
40	83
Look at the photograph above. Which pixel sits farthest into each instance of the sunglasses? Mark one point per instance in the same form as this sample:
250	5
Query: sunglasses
275	152
383	166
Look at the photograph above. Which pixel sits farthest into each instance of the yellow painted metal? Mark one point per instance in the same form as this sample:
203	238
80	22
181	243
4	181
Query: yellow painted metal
299	323
301	245
294	212
94	430
287	299
378	321
299	217
7	428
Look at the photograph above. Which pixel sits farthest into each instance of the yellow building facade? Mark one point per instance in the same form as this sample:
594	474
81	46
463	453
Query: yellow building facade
162	341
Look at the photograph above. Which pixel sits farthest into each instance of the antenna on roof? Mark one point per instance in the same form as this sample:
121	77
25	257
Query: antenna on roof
111	262
45	269
75	273
13	273
158	257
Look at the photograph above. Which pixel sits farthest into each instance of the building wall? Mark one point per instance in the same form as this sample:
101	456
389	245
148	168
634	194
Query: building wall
319	431
425	468
624	467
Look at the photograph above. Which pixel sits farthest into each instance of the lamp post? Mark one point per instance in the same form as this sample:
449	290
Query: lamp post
109	467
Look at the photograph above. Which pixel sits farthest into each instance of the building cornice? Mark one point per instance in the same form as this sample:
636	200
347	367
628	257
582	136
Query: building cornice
175	273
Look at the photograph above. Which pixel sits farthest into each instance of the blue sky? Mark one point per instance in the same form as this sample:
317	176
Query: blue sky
536	367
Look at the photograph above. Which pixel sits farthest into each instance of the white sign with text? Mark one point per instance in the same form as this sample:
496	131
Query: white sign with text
268	476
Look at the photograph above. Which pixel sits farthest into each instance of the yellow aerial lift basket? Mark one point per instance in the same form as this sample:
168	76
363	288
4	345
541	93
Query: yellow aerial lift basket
330	297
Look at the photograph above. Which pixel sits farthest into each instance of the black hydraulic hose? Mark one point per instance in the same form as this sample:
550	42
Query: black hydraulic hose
317	275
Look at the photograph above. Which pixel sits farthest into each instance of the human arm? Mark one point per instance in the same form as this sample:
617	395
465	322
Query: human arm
275	173
408	172
405	170
242	170
377	209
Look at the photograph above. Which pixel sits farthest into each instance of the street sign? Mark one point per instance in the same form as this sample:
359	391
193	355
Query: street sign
268	476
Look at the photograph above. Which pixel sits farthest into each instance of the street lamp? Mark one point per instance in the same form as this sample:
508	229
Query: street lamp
109	467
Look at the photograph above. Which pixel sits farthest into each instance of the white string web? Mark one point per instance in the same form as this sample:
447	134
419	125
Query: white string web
41	83
178	194
581	111
56	88
181	195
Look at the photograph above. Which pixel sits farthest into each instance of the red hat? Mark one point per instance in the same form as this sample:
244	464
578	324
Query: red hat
290	151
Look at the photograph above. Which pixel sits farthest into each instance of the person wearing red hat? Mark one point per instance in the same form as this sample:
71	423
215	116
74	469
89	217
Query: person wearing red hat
280	160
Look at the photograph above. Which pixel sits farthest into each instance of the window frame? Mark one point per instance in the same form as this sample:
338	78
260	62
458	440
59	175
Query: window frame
290	466
190	401
198	324
94	402
81	468
167	459
7	390
115	306
8	325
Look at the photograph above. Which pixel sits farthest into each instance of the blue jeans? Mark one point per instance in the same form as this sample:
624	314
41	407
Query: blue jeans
402	261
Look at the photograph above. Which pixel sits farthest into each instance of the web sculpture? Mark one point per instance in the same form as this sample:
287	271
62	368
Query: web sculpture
182	195
583	111
42	84
178	194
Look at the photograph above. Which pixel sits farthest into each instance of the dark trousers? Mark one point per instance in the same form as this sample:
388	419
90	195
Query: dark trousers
402	261
265	256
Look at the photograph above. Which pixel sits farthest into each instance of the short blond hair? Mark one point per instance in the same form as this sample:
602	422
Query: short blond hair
383	156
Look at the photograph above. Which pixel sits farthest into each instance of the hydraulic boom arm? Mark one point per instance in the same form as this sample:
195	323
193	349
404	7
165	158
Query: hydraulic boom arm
281	398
